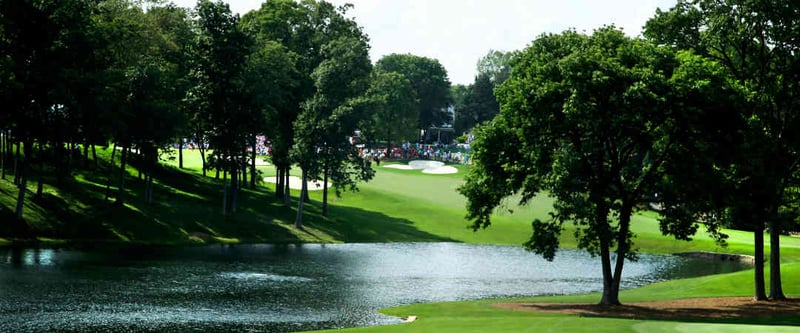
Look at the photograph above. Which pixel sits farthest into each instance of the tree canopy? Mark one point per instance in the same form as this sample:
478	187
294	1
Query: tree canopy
593	121
756	42
432	87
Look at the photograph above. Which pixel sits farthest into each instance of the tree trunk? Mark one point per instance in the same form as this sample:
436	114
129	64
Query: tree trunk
123	159
253	163
86	153
111	171
234	187
610	294
224	195
279	182
304	194
23	182
775	285
3	139
287	194
203	158
623	247
758	235
180	153
58	156
21	196
325	192
39	184
17	157
298	221
3	152
94	156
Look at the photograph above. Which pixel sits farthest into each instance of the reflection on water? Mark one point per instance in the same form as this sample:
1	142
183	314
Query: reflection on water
279	288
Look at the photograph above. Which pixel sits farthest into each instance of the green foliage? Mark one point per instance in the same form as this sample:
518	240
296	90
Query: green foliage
755	42
430	82
496	66
476	105
598	122
393	109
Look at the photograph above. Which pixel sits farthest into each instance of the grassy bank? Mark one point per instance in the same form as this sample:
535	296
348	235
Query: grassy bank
398	205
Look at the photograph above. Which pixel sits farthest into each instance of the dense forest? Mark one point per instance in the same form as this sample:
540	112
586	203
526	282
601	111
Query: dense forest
145	78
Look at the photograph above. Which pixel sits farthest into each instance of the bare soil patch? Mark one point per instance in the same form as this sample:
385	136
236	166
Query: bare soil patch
694	308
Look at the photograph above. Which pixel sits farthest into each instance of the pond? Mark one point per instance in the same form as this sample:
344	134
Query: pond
280	288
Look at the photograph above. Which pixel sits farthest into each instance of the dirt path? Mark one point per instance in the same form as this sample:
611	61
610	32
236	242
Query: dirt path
695	308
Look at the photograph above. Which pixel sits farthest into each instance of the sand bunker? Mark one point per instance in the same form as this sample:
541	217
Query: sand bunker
399	166
296	183
423	165
429	167
445	170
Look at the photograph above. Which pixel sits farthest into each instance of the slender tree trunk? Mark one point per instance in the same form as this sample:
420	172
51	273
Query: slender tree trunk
23	183
63	170
17	158
298	221
610	297
86	153
623	247
94	156
216	176
234	187
287	194
40	171
775	284
279	181
3	139
111	171
123	160
253	163
224	195
180	153
758	235
305	196
325	192
203	158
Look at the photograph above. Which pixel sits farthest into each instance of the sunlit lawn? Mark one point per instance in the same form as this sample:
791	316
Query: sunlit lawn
398	205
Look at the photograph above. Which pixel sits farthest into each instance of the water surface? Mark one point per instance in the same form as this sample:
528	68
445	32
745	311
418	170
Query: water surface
280	288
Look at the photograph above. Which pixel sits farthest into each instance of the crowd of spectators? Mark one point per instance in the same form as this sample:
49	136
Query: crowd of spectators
263	145
458	154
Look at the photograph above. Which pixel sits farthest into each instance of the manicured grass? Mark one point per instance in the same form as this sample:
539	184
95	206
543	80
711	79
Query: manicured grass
398	205
481	316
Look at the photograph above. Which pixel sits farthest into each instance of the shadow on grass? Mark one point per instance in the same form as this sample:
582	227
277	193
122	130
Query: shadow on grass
352	225
187	209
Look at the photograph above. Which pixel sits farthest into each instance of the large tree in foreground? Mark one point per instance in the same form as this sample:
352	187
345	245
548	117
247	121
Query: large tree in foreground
592	121
757	43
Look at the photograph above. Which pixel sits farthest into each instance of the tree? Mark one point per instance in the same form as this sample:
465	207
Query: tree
270	78
321	146
222	49
41	48
756	42
496	66
393	108
303	28
319	34
478	105
595	122
430	82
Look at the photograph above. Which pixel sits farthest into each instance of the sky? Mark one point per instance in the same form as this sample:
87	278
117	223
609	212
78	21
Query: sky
459	32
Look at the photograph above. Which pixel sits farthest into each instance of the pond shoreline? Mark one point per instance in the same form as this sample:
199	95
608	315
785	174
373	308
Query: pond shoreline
717	256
